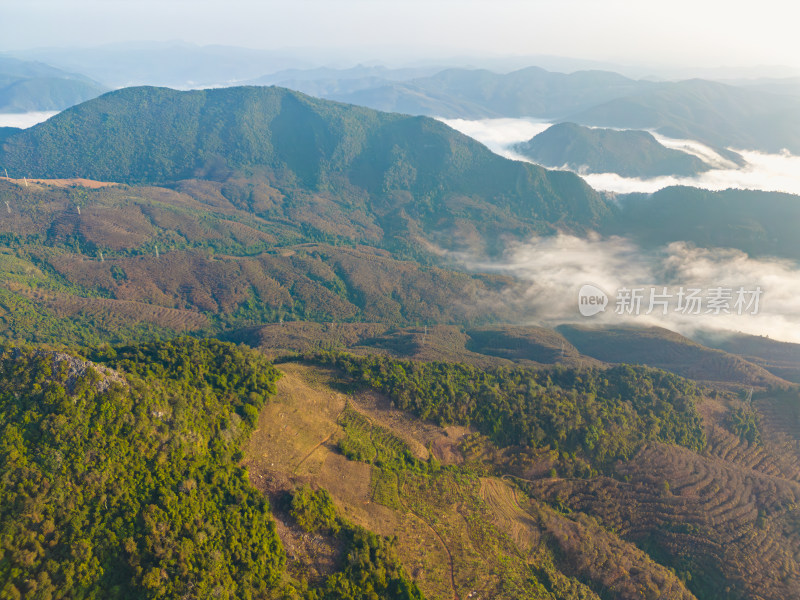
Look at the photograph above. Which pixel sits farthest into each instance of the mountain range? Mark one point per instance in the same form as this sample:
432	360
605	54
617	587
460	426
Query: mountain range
378	422
742	114
379	169
718	114
479	93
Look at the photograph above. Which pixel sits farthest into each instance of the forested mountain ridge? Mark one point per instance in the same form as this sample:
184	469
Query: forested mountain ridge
404	172
269	170
157	135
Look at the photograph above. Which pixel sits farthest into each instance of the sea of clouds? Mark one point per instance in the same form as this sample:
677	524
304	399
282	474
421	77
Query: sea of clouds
552	271
768	172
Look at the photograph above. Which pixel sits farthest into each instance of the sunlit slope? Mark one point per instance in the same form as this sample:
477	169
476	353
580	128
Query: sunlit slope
461	531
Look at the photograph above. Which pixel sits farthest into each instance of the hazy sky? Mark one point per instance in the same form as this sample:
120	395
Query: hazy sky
679	32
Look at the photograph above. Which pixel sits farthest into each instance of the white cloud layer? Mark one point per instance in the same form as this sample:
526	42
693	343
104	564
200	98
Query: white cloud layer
24	120
768	172
499	134
553	270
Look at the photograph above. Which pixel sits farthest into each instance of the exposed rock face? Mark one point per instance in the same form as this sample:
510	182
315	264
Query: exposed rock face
77	368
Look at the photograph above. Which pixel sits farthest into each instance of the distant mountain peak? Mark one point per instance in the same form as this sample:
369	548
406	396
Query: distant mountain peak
629	153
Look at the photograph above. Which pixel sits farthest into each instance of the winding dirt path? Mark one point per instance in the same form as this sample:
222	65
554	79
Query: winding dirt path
315	448
311	452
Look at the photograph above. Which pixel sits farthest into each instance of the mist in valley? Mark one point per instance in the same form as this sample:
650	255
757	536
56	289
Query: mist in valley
552	270
763	171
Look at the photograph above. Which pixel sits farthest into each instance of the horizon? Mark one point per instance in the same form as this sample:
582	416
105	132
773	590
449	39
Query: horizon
689	37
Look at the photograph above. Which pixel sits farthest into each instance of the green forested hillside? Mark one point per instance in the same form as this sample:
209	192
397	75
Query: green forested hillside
628	153
8	132
125	485
354	156
121	479
602	415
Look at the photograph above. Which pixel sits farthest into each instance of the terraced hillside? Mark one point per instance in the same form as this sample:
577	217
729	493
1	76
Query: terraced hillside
462	531
725	520
730	531
722	518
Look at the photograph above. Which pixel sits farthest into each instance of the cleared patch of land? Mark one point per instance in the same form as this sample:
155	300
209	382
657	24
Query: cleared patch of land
459	534
74	182
295	443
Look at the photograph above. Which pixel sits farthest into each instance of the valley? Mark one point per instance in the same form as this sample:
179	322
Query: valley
259	344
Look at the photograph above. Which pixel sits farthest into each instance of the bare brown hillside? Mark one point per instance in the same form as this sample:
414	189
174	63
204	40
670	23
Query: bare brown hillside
460	534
